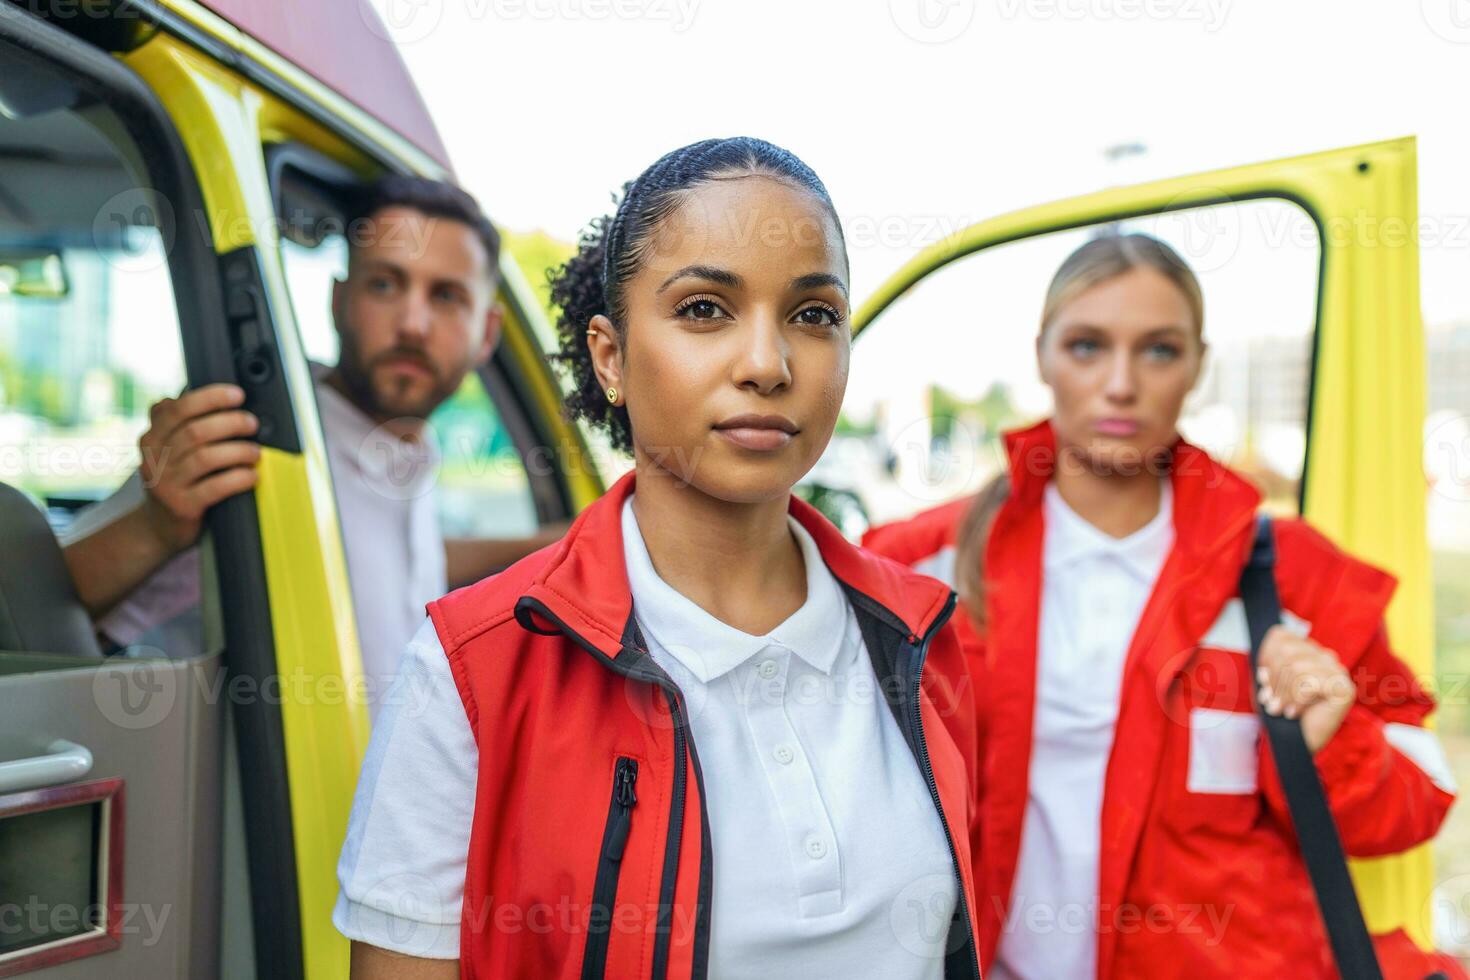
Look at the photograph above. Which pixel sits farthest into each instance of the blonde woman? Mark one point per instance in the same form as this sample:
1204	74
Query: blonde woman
1132	824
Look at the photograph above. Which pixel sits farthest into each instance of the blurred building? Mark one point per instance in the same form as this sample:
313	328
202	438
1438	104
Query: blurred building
1447	347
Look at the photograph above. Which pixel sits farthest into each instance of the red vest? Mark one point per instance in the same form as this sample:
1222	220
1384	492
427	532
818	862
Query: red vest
589	854
1192	885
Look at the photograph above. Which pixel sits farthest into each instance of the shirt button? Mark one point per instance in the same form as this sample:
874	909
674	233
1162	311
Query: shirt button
767	669
816	848
784	755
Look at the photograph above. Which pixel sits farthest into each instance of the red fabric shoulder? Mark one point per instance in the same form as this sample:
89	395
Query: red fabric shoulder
912	540
466	612
1343	597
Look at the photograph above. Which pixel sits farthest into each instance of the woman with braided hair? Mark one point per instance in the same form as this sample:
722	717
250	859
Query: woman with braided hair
702	735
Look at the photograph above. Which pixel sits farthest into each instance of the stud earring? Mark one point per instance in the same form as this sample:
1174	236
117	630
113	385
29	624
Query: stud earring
612	396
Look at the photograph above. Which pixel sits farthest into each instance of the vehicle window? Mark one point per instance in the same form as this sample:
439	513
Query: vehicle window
310	273
89	331
79	369
951	365
485	490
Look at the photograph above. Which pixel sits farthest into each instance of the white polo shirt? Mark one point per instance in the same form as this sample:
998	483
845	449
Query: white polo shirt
1094	591
829	857
390	533
385	489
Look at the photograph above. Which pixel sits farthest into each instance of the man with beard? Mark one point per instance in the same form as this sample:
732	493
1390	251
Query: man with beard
414	315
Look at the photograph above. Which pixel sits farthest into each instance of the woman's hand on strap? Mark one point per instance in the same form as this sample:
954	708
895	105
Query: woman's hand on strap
1300	678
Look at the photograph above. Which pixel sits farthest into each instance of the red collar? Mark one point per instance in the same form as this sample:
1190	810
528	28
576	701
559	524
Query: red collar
1214	497
584	583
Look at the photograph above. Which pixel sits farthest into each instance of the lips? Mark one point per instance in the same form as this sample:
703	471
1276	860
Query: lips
759	433
406	363
1116	427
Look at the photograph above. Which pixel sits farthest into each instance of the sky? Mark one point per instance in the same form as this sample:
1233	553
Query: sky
925	115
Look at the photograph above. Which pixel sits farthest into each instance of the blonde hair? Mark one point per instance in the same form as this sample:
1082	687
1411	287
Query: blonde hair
1111	255
1103	258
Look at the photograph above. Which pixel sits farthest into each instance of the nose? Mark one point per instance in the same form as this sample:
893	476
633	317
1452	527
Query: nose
1122	385
414	316
764	361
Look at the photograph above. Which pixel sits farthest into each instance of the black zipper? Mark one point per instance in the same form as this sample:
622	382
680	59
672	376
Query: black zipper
655	675
663	937
928	769
609	867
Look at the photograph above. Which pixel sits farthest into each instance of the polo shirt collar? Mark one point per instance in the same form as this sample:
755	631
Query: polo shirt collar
709	648
1070	538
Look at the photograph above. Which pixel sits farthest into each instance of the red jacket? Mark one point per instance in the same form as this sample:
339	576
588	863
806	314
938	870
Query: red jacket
590	850
1176	863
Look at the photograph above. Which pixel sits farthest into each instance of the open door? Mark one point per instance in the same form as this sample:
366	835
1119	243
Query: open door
147	824
1314	385
111	755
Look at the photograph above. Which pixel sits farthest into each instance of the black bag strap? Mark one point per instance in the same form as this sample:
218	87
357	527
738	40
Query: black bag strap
1321	848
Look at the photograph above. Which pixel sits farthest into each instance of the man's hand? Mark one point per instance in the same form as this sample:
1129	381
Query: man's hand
1302	679
196	453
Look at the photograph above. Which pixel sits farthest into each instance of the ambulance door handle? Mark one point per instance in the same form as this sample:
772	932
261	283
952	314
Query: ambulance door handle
62	762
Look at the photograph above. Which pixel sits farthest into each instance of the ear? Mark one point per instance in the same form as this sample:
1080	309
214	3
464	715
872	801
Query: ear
607	356
339	304
1041	358
1199	364
494	321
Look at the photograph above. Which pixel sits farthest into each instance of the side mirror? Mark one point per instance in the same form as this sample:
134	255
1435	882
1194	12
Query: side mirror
32	272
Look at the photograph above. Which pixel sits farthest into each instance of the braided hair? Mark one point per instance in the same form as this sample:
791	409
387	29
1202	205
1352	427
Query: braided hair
614	247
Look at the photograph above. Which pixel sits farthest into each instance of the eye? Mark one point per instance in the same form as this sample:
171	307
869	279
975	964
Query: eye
1163	352
447	294
820	315
1083	347
379	284
700	308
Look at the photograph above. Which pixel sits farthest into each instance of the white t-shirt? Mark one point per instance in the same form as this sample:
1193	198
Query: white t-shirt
385	489
390	534
829	857
1094	591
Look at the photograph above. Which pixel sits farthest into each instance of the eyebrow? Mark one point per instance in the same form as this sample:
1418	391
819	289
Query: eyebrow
729	279
439	279
382	265
1171	328
815	280
1168	328
709	272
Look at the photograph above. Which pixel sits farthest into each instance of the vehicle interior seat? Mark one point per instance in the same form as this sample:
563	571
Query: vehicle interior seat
40	611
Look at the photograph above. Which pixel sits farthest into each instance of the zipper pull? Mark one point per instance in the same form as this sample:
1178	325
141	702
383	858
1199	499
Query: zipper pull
627	776
624	797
